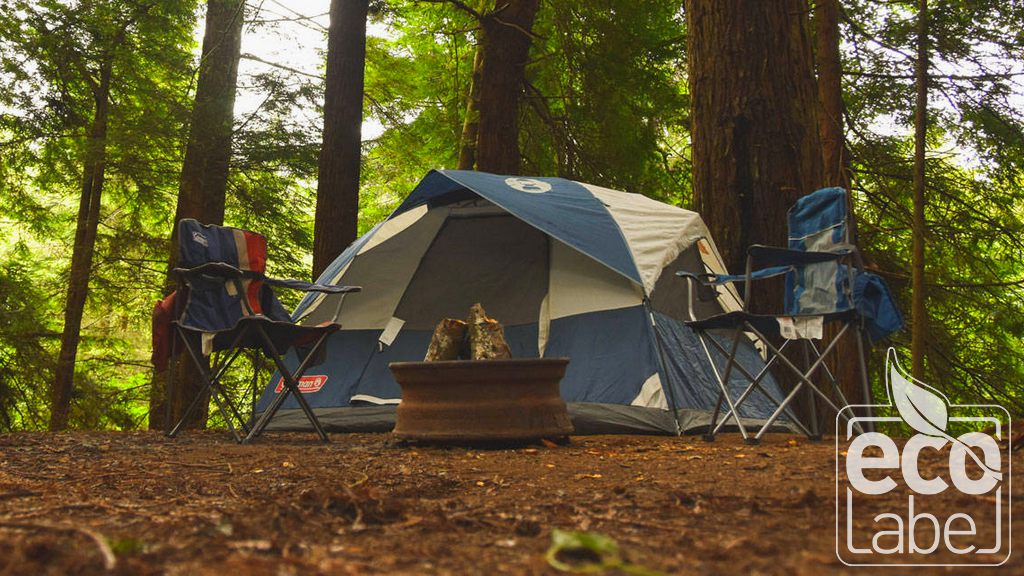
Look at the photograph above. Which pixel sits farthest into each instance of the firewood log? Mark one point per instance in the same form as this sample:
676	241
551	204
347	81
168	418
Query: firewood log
486	336
448	341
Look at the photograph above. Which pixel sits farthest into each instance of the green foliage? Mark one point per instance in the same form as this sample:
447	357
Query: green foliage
589	553
606	99
975	255
25	362
606	102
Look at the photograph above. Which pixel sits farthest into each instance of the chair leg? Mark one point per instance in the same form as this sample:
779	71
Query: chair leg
812	401
211	384
723	385
291	382
169	429
803	375
755	383
864	383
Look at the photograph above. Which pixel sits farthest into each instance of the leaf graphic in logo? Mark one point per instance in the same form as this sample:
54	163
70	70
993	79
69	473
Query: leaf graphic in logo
922	407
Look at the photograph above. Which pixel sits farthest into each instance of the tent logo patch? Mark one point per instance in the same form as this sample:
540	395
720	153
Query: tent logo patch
307	384
528	185
905	505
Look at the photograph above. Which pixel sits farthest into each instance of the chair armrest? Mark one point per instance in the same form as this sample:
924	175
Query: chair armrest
211	269
310	287
775	256
705	279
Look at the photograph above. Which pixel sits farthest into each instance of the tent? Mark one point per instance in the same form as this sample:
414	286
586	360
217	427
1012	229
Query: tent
571	270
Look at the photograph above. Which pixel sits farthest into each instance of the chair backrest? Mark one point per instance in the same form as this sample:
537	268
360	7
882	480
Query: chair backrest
214	303
204	243
819	222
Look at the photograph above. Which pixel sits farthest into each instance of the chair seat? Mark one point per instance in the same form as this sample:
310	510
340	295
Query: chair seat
283	334
767	324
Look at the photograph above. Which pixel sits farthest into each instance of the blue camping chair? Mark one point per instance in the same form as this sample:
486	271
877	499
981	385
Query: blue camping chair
825	284
224	303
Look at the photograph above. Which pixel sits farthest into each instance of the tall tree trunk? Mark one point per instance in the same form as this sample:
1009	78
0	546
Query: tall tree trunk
919	315
204	176
754	122
471	123
505	36
835	160
754	129
337	191
81	256
836	163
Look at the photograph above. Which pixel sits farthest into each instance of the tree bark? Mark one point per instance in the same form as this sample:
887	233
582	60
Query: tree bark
754	133
836	164
204	176
337	192
505	37
81	257
471	123
919	314
754	119
835	159
204	173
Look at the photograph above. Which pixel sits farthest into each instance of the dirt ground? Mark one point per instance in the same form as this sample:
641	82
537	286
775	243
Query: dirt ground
138	503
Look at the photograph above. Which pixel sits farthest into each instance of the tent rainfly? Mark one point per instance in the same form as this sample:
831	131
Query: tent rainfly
571	270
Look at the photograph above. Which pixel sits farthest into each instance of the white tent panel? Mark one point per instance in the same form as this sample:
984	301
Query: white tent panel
388	268
728	297
392	227
652	394
655	232
579	284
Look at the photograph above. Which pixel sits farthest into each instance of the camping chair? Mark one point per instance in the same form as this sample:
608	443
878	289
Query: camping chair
825	284
225	303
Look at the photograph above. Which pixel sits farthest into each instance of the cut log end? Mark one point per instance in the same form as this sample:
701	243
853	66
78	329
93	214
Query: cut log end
478	338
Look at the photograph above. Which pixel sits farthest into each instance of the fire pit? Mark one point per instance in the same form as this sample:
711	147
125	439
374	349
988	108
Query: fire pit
481	400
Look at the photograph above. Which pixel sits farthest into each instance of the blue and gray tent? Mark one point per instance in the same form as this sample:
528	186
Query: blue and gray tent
570	269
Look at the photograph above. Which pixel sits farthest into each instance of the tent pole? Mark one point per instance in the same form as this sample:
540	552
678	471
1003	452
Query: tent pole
662	366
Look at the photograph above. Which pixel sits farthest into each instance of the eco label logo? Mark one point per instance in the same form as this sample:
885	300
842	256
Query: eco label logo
307	384
938	500
528	185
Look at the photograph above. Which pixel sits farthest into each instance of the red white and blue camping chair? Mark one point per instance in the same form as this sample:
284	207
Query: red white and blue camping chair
825	283
225	303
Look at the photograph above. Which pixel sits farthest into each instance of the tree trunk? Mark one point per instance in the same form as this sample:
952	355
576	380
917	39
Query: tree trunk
471	124
919	315
835	160
836	163
81	257
337	191
505	36
754	131
204	173
204	176
754	123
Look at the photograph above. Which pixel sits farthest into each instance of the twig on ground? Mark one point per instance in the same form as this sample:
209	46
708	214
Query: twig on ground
109	560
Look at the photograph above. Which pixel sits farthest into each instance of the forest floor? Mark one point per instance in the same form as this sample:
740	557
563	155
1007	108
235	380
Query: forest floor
138	503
